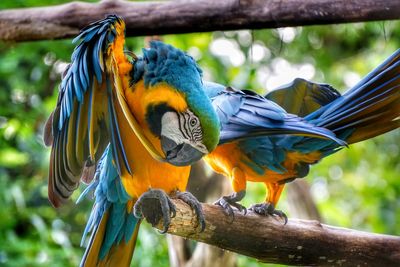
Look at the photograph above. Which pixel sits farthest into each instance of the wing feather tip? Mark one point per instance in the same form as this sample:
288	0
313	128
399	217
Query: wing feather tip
54	199
88	172
48	136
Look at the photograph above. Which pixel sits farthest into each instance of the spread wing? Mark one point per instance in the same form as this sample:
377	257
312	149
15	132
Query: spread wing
84	120
245	114
302	97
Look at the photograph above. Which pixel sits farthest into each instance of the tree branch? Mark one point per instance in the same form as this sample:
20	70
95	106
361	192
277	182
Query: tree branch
156	18
206	187
299	242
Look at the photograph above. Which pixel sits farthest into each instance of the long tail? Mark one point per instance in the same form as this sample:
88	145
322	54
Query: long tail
113	238
113	226
369	109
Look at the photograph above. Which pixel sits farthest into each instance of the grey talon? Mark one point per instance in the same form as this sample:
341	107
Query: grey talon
268	209
155	205
227	202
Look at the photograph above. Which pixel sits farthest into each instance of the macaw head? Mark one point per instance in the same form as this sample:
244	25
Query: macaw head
178	111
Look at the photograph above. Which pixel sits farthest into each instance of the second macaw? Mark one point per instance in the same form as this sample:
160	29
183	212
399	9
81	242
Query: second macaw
370	108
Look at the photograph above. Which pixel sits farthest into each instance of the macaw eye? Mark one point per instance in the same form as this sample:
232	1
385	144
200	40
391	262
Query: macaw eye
193	122
189	126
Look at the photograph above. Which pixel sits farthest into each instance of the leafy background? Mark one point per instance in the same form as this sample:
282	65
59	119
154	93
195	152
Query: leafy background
357	187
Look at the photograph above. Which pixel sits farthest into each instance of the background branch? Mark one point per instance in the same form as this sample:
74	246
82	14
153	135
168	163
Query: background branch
301	203
300	242
155	18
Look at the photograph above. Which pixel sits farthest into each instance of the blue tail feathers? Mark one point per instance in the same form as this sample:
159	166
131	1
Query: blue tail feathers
111	221
370	108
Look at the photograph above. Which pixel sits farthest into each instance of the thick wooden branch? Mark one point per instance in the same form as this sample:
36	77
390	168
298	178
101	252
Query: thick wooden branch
299	242
156	18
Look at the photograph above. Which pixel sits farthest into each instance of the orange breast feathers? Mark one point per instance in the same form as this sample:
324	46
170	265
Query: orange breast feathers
224	158
146	171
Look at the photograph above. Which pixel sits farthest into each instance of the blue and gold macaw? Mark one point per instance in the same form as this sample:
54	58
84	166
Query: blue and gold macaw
131	126
141	121
370	108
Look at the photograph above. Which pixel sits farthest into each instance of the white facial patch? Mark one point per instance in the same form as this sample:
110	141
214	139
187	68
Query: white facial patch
170	127
183	128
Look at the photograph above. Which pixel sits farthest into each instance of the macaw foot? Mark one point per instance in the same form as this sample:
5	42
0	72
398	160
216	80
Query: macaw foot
268	209
195	205
227	202
155	205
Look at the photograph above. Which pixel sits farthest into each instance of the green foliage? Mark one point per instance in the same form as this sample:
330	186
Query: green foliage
357	187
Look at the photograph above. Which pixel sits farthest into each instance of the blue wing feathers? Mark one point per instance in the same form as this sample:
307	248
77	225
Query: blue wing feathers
97	64
77	85
242	115
263	153
85	73
82	74
87	55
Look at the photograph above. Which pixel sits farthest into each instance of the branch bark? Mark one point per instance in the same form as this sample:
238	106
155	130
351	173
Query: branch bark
156	18
206	187
299	242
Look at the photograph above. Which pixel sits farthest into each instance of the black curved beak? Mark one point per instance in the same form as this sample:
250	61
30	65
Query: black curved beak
179	155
